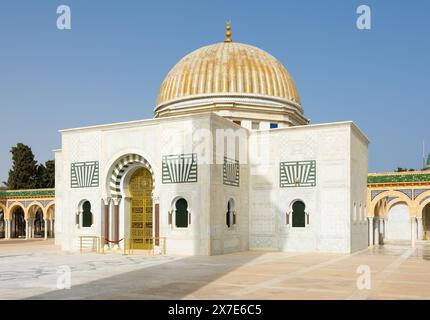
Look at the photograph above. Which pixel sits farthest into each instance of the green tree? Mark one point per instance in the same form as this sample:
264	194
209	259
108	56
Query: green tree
23	174
399	169
46	175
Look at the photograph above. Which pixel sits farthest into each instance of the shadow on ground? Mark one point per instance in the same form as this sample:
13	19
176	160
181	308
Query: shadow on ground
171	280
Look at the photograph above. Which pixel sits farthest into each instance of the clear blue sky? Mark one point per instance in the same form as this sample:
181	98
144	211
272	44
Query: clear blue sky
109	67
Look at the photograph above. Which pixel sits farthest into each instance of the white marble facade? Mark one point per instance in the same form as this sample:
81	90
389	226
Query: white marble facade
224	135
260	203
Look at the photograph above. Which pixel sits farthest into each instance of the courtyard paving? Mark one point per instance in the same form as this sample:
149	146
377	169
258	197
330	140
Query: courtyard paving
32	269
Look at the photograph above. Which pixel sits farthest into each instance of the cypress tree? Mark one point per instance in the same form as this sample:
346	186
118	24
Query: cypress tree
23	174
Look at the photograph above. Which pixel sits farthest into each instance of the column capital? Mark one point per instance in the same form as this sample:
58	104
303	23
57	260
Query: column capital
106	200
155	198
116	201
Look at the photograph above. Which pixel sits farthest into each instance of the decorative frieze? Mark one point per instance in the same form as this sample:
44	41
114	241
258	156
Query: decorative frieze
180	168
85	174
298	174
231	173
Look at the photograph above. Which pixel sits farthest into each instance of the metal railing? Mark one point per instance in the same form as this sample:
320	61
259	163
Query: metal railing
96	244
156	246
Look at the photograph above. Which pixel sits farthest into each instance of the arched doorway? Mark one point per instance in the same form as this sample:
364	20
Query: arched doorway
426	223
18	223
140	188
398	226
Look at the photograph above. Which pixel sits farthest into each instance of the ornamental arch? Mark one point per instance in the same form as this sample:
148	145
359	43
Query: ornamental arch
33	207
386	194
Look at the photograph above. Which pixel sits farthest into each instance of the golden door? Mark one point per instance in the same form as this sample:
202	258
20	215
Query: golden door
141	210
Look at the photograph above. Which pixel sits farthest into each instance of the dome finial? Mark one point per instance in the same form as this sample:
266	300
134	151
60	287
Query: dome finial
228	32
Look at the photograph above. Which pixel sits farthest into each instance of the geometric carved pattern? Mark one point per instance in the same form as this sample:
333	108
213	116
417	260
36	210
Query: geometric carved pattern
180	168
417	192
231	172
298	174
85	174
120	168
407	192
375	193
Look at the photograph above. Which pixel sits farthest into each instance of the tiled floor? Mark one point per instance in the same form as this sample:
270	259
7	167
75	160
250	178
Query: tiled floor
31	269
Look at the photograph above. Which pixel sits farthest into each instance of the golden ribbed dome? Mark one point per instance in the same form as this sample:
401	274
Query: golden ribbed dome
228	69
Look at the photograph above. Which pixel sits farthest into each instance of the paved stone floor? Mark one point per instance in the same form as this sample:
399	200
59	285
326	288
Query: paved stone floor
31	270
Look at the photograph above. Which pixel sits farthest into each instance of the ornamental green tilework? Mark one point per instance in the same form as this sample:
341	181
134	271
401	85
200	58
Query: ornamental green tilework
423	177
27	193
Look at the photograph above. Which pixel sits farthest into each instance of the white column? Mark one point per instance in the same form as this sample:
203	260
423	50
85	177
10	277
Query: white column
420	228
46	228
381	230
370	225
26	228
6	229
376	230
414	231
12	226
32	228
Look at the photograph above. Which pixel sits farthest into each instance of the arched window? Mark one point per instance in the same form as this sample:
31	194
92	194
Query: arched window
299	215
230	216
181	213
87	216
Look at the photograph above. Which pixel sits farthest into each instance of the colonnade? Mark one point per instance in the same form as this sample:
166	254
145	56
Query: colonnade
29	227
378	227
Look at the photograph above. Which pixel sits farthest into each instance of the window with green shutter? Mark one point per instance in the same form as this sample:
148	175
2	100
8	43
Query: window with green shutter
299	215
87	216
181	214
